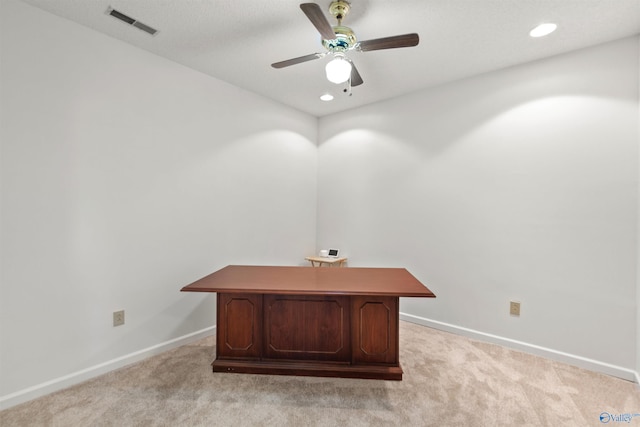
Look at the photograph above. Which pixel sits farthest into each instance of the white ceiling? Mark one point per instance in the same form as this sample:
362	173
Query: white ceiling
237	40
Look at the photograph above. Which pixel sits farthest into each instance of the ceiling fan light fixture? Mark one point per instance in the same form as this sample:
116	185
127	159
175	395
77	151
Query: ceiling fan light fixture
338	69
543	29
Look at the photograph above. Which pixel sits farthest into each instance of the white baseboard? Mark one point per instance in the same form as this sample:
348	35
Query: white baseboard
94	371
571	359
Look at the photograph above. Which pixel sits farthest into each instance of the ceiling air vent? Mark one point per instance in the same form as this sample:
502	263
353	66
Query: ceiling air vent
131	21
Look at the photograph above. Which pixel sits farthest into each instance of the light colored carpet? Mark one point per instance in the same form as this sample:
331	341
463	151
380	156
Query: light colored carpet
449	381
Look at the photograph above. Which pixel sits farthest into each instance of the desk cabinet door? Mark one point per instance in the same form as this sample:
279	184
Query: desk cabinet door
239	325
374	332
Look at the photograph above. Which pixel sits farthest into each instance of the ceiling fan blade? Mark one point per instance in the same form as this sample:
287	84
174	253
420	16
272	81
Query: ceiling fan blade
405	40
356	79
298	60
317	18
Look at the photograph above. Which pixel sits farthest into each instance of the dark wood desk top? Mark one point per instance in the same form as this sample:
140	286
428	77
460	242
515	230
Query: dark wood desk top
312	281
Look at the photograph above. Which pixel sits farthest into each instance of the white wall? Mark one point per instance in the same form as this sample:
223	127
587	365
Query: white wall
519	184
125	177
637	379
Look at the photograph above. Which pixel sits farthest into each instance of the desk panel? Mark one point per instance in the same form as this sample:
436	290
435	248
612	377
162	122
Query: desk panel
307	327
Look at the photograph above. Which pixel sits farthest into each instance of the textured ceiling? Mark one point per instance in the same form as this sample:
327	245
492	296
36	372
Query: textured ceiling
237	40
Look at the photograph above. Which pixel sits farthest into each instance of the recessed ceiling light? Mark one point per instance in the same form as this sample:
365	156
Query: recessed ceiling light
327	97
543	30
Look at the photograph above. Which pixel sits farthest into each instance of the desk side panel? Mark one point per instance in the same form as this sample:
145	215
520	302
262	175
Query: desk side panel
374	322
239	332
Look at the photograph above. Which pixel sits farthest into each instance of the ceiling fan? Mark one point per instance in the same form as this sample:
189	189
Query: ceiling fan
339	40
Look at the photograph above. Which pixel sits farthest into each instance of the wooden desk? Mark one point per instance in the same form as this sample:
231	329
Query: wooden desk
334	322
325	260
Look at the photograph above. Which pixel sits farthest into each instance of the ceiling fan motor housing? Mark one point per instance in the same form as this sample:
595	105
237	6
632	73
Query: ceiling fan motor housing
345	37
345	40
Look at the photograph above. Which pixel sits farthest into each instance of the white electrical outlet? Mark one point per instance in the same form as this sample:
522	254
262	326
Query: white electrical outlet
118	318
514	308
